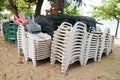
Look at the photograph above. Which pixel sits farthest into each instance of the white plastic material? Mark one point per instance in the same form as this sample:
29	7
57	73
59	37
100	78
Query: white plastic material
103	43
92	45
111	43
38	46
1	27
21	41
33	46
68	44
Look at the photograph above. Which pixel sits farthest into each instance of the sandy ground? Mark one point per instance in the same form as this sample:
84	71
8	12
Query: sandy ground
14	67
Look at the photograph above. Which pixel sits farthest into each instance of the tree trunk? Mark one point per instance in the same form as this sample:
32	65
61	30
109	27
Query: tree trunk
59	5
117	28
38	8
14	7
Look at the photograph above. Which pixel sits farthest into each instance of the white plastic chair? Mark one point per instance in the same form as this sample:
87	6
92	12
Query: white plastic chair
38	46
68	45
104	43
111	43
92	45
21	41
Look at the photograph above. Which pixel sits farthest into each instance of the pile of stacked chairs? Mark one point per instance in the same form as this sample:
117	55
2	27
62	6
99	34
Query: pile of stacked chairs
111	43
33	46
21	41
74	43
92	44
38	46
106	42
68	45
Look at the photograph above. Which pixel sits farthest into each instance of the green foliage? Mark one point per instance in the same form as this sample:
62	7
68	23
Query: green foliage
5	16
110	9
3	5
23	7
72	10
30	1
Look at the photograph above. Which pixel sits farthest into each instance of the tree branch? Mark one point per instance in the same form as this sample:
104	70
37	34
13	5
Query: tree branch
14	7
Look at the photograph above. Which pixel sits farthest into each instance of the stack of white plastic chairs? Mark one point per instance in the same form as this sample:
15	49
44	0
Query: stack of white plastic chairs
1	27
68	44
38	46
33	46
92	45
21	41
111	43
103	42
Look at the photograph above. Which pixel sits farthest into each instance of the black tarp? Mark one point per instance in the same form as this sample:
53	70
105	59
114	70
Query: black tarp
50	23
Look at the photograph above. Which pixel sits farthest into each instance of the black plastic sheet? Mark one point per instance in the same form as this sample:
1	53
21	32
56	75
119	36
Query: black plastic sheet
50	23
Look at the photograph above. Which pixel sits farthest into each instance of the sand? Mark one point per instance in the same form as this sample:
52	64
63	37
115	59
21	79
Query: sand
14	67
